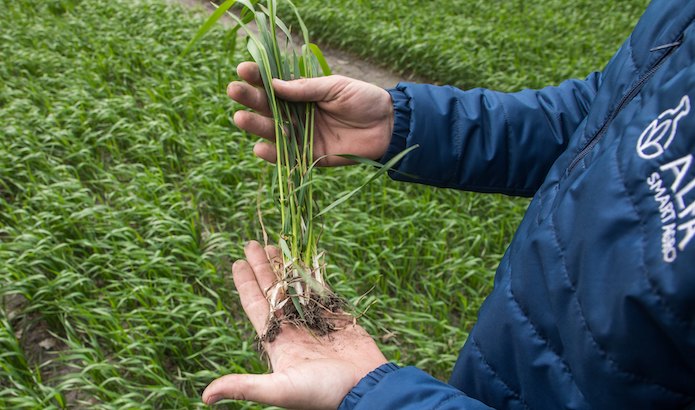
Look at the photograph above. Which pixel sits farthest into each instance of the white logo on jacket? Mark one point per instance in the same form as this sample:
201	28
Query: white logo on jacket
676	204
659	134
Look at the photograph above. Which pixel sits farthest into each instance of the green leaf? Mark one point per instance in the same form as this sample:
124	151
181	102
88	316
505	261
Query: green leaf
305	31
309	280
285	249
316	51
278	23
257	54
295	302
361	160
390	164
358	159
208	24
302	186
367	161
249	5
247	14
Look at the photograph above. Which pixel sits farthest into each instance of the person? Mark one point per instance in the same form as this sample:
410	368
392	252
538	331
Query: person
593	303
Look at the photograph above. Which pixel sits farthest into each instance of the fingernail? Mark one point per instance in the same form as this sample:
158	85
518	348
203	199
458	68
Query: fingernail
234	117
212	400
230	86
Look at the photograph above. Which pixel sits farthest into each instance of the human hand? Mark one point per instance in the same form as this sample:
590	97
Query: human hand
352	116
309	372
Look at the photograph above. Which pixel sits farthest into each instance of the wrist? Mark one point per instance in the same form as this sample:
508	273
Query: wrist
366	384
390	123
399	124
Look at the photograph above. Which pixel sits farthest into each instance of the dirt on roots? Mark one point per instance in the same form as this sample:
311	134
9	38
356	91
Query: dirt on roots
320	314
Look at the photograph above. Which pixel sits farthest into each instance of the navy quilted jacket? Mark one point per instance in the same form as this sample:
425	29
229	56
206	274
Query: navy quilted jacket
594	301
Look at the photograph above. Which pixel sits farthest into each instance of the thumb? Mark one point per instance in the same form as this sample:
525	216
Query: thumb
310	89
260	388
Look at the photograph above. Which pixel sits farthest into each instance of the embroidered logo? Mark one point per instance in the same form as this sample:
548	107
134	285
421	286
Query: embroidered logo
659	134
672	186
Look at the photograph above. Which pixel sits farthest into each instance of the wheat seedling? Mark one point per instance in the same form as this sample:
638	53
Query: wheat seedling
300	292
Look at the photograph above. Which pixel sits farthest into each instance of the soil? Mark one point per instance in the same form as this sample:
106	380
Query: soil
33	334
341	62
41	347
319	316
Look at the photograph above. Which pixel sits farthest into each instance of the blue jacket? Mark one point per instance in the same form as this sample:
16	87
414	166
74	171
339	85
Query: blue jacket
594	301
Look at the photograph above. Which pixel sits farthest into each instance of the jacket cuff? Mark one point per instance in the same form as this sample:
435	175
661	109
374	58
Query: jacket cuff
366	384
401	123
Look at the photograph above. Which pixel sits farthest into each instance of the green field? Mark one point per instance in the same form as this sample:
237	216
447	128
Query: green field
506	45
126	192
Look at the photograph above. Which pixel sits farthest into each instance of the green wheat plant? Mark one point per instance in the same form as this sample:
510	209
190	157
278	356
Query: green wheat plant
301	273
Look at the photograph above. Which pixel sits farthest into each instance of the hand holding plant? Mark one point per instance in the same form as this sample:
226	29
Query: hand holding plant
352	116
317	352
309	372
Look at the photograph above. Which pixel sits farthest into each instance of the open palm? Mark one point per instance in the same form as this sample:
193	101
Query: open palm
309	372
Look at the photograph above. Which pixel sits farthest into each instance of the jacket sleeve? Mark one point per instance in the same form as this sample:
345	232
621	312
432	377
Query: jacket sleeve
408	388
482	140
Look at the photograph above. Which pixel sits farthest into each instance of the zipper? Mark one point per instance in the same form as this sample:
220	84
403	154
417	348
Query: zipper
626	99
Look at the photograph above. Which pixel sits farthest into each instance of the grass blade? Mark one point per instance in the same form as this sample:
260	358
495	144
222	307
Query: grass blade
390	164
367	161
219	12
316	51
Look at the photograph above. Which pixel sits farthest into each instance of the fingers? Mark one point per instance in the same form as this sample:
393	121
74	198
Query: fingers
310	89
266	152
306	89
250	96
263	388
255	98
274	255
251	93
249	72
255	124
262	267
252	297
252	278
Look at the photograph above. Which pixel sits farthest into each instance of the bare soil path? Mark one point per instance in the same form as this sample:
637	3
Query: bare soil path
341	62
